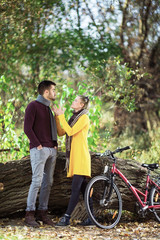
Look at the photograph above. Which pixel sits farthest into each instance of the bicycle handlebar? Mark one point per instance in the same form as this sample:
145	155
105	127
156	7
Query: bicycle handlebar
121	149
109	153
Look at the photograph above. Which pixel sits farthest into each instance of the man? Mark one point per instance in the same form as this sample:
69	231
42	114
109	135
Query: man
40	128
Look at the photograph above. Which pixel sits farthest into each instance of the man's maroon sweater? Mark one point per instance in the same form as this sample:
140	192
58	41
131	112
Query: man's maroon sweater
37	125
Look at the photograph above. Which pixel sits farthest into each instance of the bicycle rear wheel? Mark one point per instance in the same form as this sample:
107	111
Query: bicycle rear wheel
155	200
104	211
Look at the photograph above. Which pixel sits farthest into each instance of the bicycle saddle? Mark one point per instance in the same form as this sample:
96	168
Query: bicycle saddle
151	166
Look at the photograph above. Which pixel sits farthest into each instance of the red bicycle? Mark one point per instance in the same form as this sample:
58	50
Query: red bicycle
103	199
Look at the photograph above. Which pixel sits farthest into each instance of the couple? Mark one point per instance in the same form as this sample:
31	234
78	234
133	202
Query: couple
41	127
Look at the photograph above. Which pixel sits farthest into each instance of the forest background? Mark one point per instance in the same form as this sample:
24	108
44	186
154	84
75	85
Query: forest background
107	50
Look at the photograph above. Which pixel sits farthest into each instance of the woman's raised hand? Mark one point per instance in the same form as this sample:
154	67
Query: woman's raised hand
58	110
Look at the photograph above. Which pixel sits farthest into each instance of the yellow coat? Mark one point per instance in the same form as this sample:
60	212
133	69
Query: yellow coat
80	160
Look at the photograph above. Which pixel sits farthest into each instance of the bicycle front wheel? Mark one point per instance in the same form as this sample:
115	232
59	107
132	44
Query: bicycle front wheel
103	206
155	200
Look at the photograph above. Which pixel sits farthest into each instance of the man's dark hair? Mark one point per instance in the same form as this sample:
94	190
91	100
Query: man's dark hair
45	85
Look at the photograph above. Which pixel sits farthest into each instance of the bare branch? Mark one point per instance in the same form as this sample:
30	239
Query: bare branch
145	28
124	10
78	14
8	150
123	27
93	20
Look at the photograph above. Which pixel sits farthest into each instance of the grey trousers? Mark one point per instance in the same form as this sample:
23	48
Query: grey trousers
43	164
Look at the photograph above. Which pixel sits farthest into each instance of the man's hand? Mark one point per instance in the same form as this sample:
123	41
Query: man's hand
39	147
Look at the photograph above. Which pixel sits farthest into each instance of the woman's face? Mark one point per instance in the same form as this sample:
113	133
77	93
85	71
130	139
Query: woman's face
77	104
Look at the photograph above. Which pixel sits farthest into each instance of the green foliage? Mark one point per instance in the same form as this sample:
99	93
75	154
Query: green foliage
144	145
116	83
152	153
11	142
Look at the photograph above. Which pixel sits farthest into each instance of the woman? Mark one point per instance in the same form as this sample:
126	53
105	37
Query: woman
78	161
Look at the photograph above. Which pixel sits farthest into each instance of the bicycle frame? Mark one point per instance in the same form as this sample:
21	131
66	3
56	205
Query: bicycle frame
134	190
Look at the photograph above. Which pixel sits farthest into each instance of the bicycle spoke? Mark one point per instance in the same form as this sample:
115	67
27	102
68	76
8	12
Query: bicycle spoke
155	200
104	210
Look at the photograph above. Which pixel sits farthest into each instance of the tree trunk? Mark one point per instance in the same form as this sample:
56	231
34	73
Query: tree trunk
16	178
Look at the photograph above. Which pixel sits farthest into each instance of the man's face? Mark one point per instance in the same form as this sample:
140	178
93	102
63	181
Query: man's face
51	93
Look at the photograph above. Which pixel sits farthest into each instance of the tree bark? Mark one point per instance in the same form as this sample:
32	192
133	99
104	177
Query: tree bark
16	178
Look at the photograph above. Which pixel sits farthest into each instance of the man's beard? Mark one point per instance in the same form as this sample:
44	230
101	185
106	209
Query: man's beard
51	98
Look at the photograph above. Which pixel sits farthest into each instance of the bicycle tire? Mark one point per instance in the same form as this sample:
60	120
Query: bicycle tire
106	215
155	200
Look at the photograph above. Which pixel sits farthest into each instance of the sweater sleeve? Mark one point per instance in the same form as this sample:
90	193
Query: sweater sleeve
78	126
60	130
28	124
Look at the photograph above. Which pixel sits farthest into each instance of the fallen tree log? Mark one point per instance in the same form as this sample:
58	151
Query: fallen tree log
16	178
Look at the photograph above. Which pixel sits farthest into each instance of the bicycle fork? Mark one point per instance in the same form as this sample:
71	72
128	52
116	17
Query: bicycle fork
108	184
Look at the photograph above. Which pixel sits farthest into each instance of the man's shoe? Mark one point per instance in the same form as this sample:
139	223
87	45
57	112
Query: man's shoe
41	215
87	222
64	221
30	219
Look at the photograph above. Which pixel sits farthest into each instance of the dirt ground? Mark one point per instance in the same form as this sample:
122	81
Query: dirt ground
15	229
